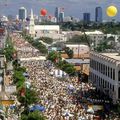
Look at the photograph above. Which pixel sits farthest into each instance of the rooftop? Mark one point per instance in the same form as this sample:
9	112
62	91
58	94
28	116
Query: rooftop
114	56
94	32
78	61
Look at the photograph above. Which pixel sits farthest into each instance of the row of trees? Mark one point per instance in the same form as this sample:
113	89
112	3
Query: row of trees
9	49
35	43
108	27
55	57
26	96
46	40
80	39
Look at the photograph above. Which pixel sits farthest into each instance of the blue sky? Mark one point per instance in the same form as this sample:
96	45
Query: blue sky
72	7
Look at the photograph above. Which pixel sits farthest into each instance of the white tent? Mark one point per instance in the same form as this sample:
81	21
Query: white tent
59	73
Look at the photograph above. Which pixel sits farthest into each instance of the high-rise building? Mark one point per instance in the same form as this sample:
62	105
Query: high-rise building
98	14
57	12
22	13
61	17
86	17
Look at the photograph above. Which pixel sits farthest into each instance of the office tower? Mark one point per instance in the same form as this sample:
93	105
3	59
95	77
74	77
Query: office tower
22	13
61	17
57	12
98	14
86	18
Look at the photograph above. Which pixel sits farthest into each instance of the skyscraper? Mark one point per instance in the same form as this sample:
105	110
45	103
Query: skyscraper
98	14
61	17
86	18
57	12
22	13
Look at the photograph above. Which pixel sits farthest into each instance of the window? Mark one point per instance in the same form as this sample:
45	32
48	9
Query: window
113	74
119	92
119	75
108	71
105	84
108	85
113	88
102	68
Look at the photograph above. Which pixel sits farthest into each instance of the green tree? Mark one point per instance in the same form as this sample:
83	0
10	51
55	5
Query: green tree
46	40
30	97
68	68
9	49
80	39
69	52
36	115
53	56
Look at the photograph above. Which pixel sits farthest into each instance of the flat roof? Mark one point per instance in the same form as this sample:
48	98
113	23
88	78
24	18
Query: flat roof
112	55
78	61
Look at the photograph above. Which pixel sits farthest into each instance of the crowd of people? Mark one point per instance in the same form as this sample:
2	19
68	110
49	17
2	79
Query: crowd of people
57	96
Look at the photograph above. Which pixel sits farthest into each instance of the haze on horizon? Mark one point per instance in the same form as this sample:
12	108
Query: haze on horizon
74	8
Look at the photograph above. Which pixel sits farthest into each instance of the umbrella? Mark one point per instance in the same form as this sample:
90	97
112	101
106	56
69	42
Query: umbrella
71	87
12	107
37	107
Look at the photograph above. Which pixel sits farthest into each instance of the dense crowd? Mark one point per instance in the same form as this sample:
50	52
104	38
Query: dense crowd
57	96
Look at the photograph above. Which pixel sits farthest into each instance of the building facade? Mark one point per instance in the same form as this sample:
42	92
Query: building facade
96	37
86	18
105	73
32	25
57	12
61	17
98	14
22	13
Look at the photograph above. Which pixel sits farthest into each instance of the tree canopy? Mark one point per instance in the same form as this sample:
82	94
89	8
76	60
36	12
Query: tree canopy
80	39
36	115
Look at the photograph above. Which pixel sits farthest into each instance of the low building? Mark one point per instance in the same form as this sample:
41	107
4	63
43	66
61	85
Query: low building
78	48
105	73
96	37
80	65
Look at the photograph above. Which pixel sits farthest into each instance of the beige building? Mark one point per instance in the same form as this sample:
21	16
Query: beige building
78	48
105	73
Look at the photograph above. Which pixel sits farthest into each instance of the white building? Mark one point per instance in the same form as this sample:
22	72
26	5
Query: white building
37	31
4	19
78	48
67	19
105	73
32	25
96	37
54	19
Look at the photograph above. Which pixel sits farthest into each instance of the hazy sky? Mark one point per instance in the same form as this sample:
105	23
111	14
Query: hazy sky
72	7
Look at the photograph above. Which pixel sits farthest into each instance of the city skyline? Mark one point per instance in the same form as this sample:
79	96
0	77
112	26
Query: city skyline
76	7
